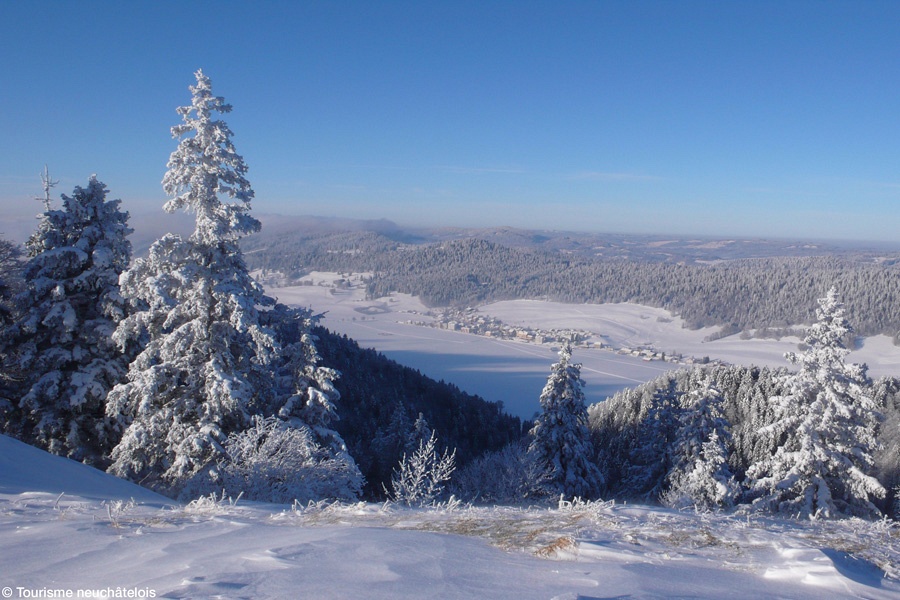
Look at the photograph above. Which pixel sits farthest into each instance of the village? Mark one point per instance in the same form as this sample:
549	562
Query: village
470	320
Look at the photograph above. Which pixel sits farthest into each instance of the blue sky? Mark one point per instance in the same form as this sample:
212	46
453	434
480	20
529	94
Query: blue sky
719	118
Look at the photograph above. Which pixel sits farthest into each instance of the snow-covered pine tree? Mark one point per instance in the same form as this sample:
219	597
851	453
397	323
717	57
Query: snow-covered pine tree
700	476
826	424
648	451
560	436
390	441
420	433
68	310
303	390
211	358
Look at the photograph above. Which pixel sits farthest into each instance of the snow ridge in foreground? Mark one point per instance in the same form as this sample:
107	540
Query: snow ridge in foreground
104	533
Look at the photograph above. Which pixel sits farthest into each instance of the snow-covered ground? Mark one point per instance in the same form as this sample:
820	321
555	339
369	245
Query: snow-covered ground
67	530
514	372
635	325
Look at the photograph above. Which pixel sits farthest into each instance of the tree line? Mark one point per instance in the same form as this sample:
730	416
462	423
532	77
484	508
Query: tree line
763	294
822	440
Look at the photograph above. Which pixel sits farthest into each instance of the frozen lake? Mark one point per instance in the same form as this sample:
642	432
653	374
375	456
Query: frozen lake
512	372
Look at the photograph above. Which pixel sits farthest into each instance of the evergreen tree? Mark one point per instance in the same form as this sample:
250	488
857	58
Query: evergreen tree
420	434
648	453
825	424
10	283
700	475
68	311
210	355
392	440
303	392
560	434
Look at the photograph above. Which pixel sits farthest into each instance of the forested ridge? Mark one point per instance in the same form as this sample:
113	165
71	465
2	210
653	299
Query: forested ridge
634	431
738	295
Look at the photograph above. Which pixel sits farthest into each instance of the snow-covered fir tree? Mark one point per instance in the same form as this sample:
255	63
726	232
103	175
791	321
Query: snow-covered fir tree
210	355
391	440
69	309
648	458
700	475
421	432
303	393
826	428
560	436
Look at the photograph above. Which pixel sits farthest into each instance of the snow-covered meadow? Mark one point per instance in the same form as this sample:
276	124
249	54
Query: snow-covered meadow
514	372
68	529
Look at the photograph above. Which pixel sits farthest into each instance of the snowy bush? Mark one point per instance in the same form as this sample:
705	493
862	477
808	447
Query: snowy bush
419	479
510	475
273	461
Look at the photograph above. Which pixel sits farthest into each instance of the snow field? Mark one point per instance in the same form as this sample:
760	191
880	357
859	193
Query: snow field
635	325
514	372
218	548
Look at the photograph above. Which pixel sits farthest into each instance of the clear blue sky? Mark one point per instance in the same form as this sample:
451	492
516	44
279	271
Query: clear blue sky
720	118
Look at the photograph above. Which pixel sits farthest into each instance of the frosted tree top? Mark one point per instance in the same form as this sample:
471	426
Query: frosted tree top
205	167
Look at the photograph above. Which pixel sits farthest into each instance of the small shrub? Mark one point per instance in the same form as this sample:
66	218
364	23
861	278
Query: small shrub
420	477
511	475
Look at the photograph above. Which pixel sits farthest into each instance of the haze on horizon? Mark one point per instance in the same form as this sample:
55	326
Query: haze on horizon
764	119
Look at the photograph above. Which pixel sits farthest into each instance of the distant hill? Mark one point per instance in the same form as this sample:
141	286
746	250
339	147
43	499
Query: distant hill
762	287
652	248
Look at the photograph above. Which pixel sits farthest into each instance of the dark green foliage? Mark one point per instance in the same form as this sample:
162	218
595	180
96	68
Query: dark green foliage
634	430
11	283
886	392
381	399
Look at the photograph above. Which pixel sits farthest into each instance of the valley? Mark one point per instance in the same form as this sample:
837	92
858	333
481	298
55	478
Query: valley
515	371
